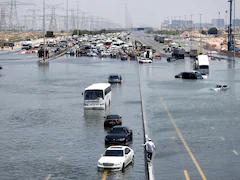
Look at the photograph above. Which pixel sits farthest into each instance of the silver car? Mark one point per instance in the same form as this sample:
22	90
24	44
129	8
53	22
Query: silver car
115	79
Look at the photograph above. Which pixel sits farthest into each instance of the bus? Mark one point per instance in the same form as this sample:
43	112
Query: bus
202	64
97	96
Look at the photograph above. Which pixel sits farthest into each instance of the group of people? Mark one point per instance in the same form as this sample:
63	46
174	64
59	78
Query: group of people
41	53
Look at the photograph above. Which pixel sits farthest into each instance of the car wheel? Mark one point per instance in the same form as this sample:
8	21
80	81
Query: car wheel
133	160
123	167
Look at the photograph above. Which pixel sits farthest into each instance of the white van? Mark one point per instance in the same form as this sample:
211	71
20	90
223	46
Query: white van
97	96
202	64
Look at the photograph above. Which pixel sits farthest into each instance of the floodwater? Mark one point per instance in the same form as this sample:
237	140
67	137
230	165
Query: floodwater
184	115
46	133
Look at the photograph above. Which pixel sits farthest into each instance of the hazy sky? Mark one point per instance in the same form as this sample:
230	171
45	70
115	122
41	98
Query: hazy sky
148	12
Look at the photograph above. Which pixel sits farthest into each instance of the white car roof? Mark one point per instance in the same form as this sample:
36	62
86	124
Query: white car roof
117	147
98	86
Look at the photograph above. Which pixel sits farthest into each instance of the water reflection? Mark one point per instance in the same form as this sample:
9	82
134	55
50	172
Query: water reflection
231	64
90	115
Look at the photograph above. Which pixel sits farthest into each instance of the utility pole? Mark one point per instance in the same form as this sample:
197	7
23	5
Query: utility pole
219	24
200	32
185	23
67	18
226	19
44	39
191	29
77	19
234	53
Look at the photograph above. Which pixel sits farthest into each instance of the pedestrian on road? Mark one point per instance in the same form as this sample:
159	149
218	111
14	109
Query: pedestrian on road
150	147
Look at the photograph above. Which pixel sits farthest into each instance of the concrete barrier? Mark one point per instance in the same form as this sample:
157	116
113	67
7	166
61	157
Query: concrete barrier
148	165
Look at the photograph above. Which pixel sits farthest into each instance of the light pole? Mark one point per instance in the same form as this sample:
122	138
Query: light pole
200	33
77	19
44	39
185	23
67	17
234	27
219	22
226	19
191	29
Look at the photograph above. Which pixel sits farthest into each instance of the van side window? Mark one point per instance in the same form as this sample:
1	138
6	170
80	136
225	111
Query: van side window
108	90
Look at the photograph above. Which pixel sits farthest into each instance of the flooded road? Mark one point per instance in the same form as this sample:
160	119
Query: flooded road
45	132
196	130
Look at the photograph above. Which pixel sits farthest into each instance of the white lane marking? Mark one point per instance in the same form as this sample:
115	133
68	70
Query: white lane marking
49	176
235	152
60	158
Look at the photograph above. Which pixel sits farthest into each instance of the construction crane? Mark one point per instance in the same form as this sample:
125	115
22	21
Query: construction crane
230	30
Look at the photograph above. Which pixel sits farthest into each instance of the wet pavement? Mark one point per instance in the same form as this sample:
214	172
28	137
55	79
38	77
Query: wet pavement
208	121
45	132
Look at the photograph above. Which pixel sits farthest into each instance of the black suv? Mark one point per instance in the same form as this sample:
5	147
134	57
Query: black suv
191	75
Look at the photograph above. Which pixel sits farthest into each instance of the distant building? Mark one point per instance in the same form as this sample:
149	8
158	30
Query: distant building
203	25
165	24
218	23
181	24
236	22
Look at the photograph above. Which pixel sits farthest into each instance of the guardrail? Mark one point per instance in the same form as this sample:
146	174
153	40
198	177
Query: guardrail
148	165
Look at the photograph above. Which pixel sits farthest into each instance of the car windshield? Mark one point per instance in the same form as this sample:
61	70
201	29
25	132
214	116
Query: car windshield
112	117
114	153
93	94
117	131
218	86
198	74
203	67
114	77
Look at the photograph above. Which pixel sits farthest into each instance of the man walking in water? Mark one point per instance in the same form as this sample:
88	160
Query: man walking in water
150	146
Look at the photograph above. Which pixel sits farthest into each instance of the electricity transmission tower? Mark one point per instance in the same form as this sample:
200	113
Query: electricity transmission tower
13	17
53	20
3	22
73	20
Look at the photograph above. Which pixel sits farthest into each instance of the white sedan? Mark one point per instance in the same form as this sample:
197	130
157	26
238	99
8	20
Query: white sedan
116	158
144	60
220	88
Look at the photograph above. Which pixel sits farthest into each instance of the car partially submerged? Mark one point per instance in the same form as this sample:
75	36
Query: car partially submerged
179	75
116	158
119	135
114	78
170	59
124	56
112	120
144	60
219	87
191	75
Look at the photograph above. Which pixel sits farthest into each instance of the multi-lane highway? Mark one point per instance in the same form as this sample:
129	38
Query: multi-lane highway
46	134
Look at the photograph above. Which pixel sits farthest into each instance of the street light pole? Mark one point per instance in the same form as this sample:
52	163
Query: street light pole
67	18
191	29
200	32
234	27
226	19
77	19
185	23
44	39
219	21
